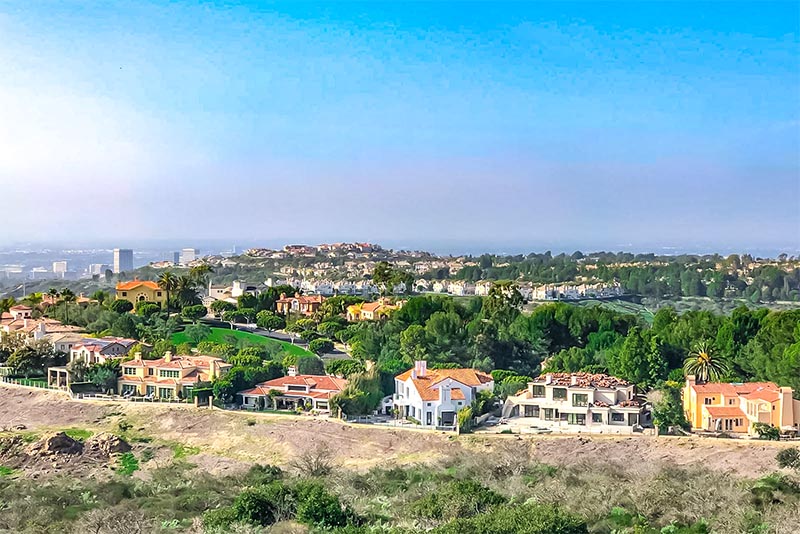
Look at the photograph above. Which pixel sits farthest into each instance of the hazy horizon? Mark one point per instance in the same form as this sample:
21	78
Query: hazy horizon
562	125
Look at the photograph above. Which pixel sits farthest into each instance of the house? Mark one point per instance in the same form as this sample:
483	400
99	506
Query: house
141	291
735	407
99	350
434	396
18	320
170	377
578	402
64	342
302	304
294	390
372	311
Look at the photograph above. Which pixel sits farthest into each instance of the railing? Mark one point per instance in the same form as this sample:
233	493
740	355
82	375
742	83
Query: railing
29	382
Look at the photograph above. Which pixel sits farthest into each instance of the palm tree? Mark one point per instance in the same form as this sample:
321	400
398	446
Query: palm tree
705	364
54	294
67	296
34	299
200	273
6	304
186	289
168	282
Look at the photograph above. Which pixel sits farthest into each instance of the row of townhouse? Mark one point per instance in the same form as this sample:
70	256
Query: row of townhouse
169	377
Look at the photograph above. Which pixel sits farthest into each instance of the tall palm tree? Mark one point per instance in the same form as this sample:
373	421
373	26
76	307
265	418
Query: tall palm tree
199	273
705	364
186	290
67	296
169	283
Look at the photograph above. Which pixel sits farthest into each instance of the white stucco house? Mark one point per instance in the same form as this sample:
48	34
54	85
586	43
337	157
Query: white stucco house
577	403
434	396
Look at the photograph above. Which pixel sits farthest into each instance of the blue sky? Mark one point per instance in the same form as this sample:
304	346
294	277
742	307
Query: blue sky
588	125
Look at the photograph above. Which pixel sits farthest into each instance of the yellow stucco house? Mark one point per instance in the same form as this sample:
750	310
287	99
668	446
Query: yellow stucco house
735	407
170	377
141	291
372	311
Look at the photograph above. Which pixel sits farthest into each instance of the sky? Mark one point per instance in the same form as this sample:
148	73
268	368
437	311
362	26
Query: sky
523	124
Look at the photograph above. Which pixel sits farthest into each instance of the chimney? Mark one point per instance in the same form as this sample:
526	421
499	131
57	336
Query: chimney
573	380
291	371
444	392
212	370
25	323
786	407
167	357
423	368
548	378
414	373
690	380
137	356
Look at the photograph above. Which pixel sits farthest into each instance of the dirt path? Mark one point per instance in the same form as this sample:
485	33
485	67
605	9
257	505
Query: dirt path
245	438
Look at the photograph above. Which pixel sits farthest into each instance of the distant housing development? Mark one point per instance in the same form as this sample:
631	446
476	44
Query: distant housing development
737	407
577	402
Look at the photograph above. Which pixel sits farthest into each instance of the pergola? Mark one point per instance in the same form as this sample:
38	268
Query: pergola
58	377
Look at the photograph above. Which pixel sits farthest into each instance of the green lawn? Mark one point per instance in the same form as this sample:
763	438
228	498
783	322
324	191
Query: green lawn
223	335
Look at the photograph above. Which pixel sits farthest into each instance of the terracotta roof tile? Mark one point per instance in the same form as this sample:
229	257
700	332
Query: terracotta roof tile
724	411
133	284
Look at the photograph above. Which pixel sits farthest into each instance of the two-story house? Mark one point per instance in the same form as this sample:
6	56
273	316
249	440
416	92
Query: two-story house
433	397
170	377
735	407
300	304
292	390
99	350
141	291
577	402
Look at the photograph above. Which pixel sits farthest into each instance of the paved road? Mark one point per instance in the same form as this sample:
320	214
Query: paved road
335	354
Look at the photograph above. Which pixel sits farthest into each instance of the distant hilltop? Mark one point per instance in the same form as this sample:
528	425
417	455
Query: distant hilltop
311	250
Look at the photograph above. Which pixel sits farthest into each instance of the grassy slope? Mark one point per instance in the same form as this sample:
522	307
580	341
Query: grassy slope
219	335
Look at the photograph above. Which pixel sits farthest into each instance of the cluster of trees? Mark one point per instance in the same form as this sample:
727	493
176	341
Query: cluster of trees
26	358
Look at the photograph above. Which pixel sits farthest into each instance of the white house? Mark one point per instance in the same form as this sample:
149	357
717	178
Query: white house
434	396
577	402
99	350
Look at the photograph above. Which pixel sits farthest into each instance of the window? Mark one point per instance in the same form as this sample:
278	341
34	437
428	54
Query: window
428	418
576	418
550	414
295	388
617	417
150	371
633	419
538	391
151	390
731	401
708	400
531	411
129	370
124	293
563	417
169	373
165	393
560	393
128	389
597	418
580	399
159	293
429	405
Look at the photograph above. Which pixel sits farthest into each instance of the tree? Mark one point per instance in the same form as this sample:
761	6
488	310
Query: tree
219	307
668	406
104	375
269	320
100	296
197	332
169	283
6	304
199	273
124	326
310	365
704	364
344	368
531	518
186	291
320	346
146	309
68	297
121	306
194	313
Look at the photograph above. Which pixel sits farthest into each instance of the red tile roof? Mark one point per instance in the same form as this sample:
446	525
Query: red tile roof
724	411
127	286
427	385
734	389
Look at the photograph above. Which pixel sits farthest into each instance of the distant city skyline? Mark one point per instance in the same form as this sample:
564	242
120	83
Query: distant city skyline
521	126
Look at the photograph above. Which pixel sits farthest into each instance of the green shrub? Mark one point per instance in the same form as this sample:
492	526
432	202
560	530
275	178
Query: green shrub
524	519
128	464
789	458
461	498
317	507
78	434
264	505
767	431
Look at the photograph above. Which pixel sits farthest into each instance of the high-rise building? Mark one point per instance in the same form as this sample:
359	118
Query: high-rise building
97	268
176	258
59	267
188	255
123	260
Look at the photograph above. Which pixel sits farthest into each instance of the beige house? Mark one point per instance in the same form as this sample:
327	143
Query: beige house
141	291
99	350
293	390
170	377
735	407
577	402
